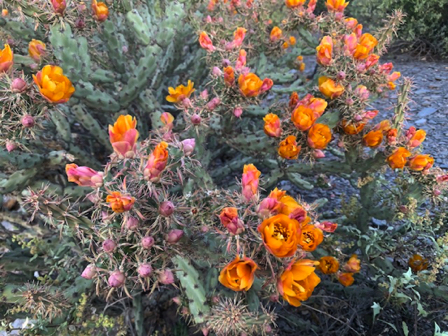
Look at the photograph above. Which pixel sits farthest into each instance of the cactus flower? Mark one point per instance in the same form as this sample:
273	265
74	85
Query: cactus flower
353	265
59	6
230	220
206	42
120	203
89	272
351	23
293	100
421	162
249	84
276	34
310	238
417	138
167	119
147	242
329	88
280	235
229	76
294	3
371	61
238	37
328	265
288	148
350	43
373	139
352	128
326	226
366	44
303	118
19	85
267	84
336	5
272	125
398	158
53	85
10	146
123	136
188	146
268	207
156	162
166	277
325	51
144	270
84	176
319	136
417	263
239	274
242	59
116	279
28	121
166	208
109	246
250	181
176	95
346	279
131	223
36	50
174	236
298	281
100	11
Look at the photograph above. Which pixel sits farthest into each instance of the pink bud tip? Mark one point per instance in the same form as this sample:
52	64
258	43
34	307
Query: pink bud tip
18	85
174	236
28	121
238	112
10	145
188	146
109	245
144	270
196	119
204	94
147	242
341	75
116	279
225	62
166	277
89	272
216	72
132	223
176	300
166	208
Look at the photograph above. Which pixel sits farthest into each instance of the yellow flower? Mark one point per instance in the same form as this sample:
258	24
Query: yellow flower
53	85
336	5
272	125
176	95
294	3
6	58
36	49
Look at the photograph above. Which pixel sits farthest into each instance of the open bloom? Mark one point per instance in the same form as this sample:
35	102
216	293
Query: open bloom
303	118
36	49
366	44
229	76
123	136
230	220
417	263
84	176
328	265
325	51
280	235
290	207
6	58
353	265
239	274
417	138
288	148
59	6
298	281
421	162
329	88
311	237
346	279
276	34
120	203
206	42
352	128
272	125
336	5
398	158
53	85
319	136
294	3
100	10
178	94
251	176
373	139
250	84
156	162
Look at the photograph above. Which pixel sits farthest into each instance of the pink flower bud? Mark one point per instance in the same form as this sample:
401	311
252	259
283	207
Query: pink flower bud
268	207
204	94
341	75
437	192
188	146
166	277
174	236
361	67
116	279
225	62
18	85
216	72
195	119
318	154
208	19
80	24
89	272
166	208
176	300
144	270
238	112
212	104
10	145
186	102
109	245
132	223
28	121
349	101
147	242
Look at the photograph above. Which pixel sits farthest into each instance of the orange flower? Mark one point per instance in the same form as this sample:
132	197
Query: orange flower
303	118
156	162
249	85
417	139
290	207
53	85
83	176
398	158
325	51
276	34
351	23
346	279
59	6
350	43
294	3
120	203
417	263
205	42
353	265
352	128
371	61
298	281
5	12
336	5
280	235
123	136
302	67
328	265
250	179
384	126
329	88
238	37
6	58
311	238
366	44
229	219
288	148
167	119
319	136
36	49
421	162
293	100
272	125
100	10
285	45
176	95
277	194
239	274
229	76
292	40
241	61
373	139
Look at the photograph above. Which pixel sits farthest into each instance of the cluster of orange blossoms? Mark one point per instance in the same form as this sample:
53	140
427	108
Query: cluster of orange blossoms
99	9
330	265
277	35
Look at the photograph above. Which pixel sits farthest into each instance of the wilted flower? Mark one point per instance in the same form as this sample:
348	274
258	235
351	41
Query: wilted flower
398	158
123	136
84	176
325	51
176	95
18	85
294	3
166	277
144	270
53	85
89	272
36	49
206	42
371	61
417	263
272	125
326	226
239	274
319	136
116	279
392	136
328	265
241	61
298	281
147	242
350	43
373	139
229	76
352	128
250	181
353	265
288	148
362	93
268	207
311	237
336	5
421	162
174	236
280	235
230	220
417	138
329	88
293	100
120	203
276	34
59	6
167	119
109	246
188	146
156	162
100	10
346	279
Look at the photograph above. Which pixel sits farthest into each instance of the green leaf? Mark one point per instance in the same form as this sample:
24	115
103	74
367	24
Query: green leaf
376	309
